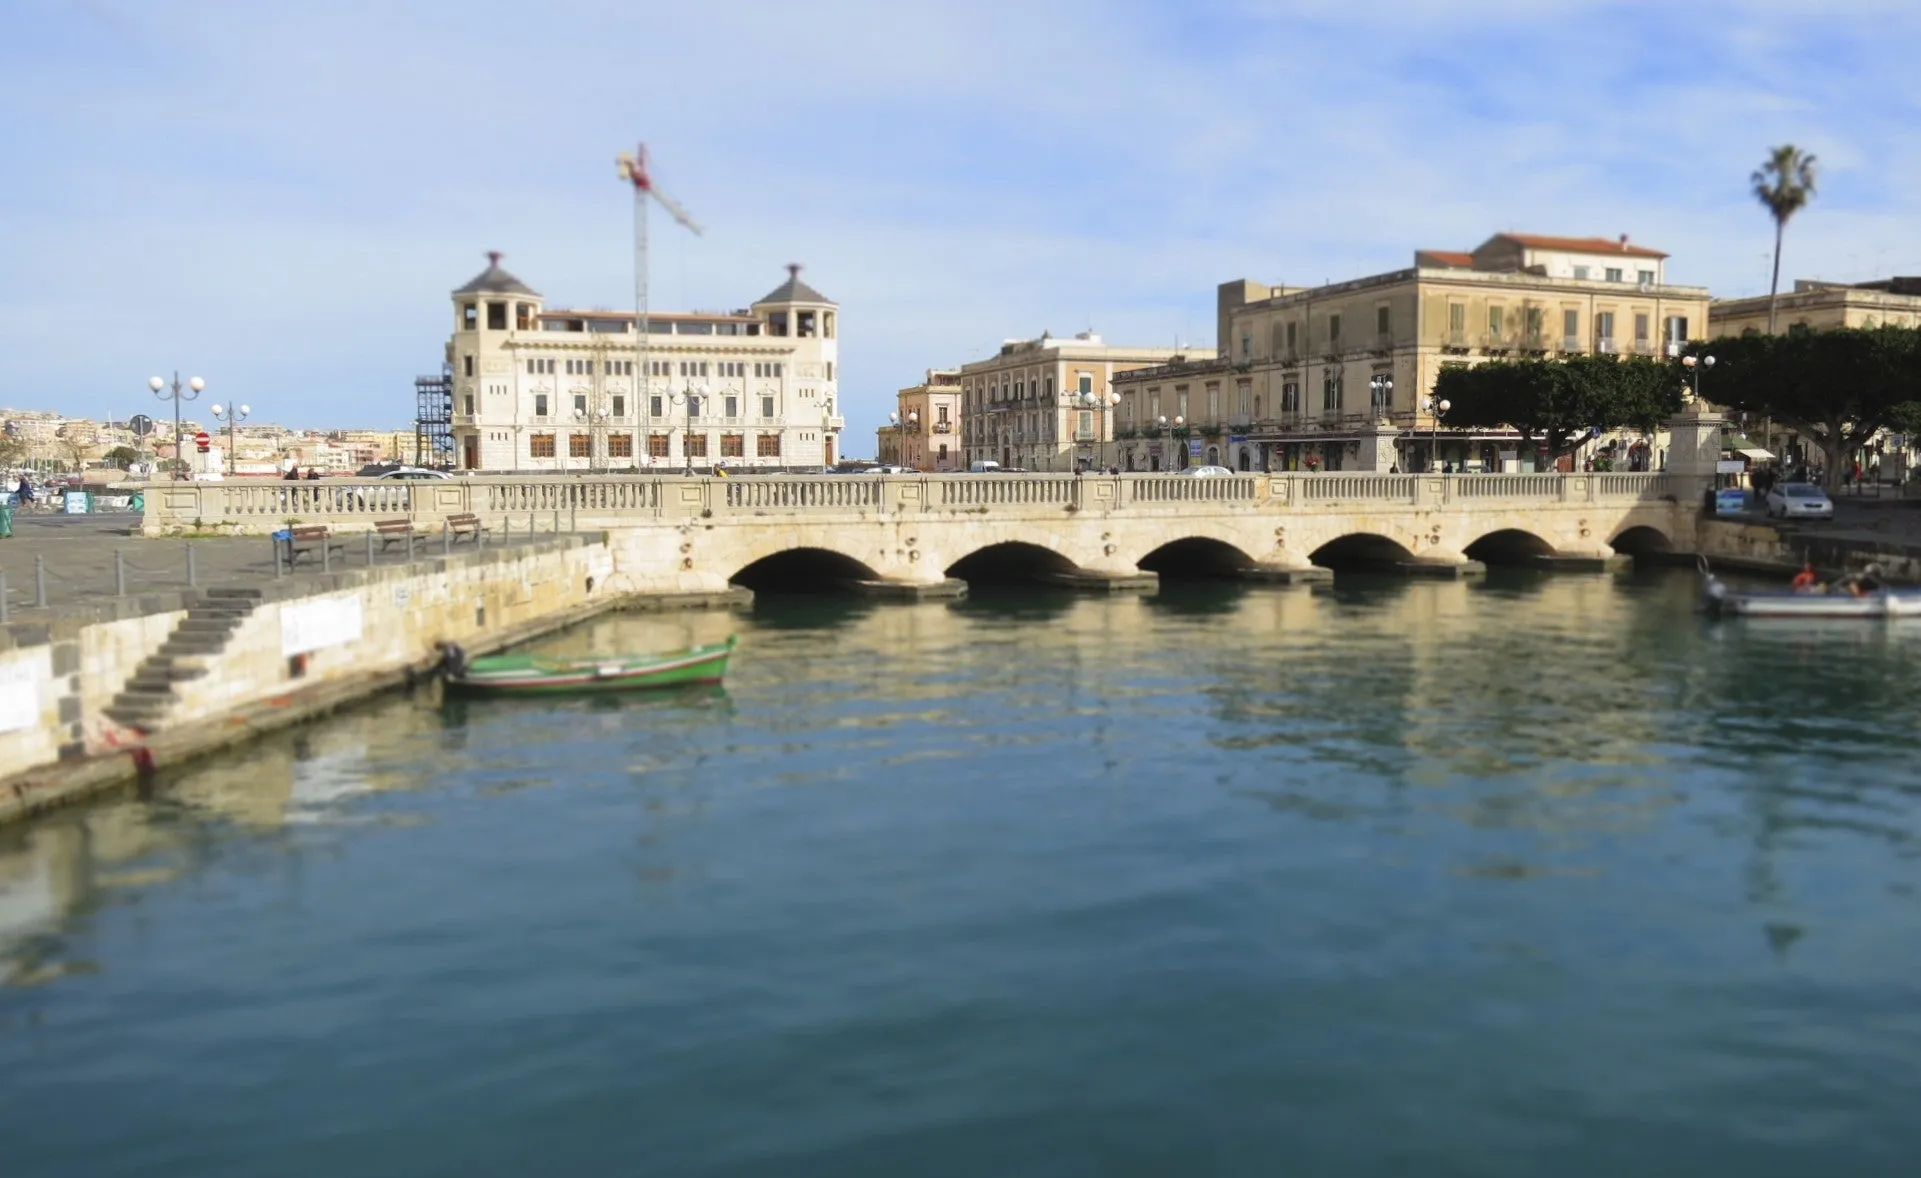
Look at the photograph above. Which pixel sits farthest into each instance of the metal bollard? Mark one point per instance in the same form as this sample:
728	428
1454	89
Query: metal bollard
480	536
410	545
370	549
277	570
193	568
446	540
119	574
326	555
3	597
40	581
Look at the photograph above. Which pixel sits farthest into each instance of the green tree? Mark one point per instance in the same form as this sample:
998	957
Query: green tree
13	450
1559	403
1783	184
123	456
1837	387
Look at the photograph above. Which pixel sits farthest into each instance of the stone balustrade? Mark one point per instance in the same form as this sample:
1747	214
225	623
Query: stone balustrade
617	500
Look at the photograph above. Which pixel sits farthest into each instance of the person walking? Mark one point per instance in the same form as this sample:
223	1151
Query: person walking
25	493
293	472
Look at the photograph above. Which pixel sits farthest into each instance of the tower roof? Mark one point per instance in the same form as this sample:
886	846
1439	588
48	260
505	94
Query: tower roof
494	280
795	291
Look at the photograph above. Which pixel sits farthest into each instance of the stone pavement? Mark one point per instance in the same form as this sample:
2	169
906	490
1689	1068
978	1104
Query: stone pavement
77	553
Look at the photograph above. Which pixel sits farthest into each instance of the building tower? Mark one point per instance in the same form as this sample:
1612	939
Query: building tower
796	311
487	312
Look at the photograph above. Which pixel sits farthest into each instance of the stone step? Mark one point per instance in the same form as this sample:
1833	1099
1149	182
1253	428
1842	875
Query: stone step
234	612
235	591
141	709
193	625
163	679
133	719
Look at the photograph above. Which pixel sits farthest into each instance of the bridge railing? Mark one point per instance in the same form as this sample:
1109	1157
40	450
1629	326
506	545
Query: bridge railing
618	500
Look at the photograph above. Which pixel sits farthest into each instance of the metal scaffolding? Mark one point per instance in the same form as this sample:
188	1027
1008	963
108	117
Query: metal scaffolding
434	419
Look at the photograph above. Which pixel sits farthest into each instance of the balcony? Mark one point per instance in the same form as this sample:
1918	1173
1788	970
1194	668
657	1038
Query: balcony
1455	339
943	427
1383	341
1533	341
1571	344
1086	435
1496	341
1606	346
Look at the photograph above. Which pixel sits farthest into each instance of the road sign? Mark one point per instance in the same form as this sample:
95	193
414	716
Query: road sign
140	424
203	441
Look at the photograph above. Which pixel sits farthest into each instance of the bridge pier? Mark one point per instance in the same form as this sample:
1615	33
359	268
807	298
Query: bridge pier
1441	564
889	589
1577	560
1105	580
1286	574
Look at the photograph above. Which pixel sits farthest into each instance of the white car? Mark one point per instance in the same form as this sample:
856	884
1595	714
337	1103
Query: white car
1799	501
887	470
415	472
1204	472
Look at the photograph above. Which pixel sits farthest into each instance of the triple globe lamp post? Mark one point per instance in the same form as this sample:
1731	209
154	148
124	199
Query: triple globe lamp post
177	392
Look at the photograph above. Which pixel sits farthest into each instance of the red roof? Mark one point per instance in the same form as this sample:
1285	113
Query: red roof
1444	258
1581	245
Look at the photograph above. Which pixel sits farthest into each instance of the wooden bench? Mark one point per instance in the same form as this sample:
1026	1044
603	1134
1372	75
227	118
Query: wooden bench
396	531
465	524
309	538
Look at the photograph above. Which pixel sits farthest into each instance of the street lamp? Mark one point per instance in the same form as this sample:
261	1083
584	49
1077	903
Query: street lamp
900	434
1094	400
596	422
1696	365
1434	430
233	415
176	393
1163	423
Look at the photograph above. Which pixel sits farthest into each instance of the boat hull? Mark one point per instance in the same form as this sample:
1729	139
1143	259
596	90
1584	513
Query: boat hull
528	675
1882	605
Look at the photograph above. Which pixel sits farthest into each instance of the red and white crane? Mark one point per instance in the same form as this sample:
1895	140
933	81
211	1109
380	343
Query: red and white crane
634	169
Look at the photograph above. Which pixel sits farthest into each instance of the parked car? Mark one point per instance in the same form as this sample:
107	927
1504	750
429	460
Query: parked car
415	472
886	470
1799	501
1204	472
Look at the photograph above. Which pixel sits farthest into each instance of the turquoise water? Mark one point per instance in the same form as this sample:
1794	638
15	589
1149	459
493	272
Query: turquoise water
1533	876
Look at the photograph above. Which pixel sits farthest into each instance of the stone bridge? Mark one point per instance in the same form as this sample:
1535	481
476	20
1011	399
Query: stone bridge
927	534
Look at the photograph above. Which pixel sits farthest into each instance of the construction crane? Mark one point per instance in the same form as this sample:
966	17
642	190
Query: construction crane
633	169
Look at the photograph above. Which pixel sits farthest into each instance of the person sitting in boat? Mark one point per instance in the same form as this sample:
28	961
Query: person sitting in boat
1807	580
1863	583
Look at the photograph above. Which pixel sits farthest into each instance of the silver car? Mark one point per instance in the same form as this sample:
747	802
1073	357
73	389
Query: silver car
1799	501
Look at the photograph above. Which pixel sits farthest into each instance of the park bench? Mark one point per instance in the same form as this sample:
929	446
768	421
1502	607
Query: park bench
307	539
396	531
465	524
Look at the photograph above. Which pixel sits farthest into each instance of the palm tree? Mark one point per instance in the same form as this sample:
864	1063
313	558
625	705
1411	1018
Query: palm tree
1785	183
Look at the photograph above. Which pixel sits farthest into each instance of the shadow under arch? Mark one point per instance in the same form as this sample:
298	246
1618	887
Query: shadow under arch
803	570
1011	562
1196	558
1642	541
1509	546
1361	552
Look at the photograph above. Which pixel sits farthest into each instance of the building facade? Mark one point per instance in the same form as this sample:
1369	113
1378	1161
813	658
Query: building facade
1046	404
928	437
1886	302
1340	377
539	389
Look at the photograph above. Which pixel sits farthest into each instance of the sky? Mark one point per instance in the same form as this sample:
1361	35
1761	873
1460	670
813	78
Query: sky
279	197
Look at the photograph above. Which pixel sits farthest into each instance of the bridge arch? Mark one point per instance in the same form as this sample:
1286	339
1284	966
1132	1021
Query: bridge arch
1196	557
1642	540
1010	562
1509	546
1361	551
802	570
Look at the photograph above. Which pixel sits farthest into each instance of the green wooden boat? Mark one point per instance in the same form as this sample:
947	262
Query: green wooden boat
532	674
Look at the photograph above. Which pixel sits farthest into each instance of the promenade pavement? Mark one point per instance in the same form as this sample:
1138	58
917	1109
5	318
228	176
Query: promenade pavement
77	553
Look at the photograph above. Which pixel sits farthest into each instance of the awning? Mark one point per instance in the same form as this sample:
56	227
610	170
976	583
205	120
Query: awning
1757	455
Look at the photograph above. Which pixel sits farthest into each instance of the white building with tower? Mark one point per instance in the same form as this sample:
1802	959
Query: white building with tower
543	389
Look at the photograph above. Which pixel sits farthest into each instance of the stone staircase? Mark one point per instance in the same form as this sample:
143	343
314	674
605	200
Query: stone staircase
188	653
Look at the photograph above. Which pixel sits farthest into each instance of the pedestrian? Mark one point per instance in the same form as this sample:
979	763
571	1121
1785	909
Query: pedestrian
293	472
313	474
1394	468
25	493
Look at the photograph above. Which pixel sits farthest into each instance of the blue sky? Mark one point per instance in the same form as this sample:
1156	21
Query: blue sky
279	196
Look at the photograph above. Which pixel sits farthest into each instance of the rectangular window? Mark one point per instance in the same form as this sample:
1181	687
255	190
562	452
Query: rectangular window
1083	382
830	370
1247	345
693	445
469	316
733	407
1531	317
540	404
656	445
1330	391
540	445
533	367
1571	325
470	404
693	407
1084	429
766	406
620	445
580	403
580	445
620	405
1334	329
733	445
1213	400
1604	325
1644	277
1495	321
1457	319
1290	336
1613	274
1291	397
1180	400
1243	392
1677	328
653	405
767	445
1383	321
1640	327
496	316
660	367
1580	272
467	365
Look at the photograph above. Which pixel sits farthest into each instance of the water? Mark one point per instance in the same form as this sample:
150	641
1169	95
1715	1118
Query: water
1536	876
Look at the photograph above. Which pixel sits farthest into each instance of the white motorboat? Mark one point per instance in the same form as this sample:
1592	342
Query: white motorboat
1860	595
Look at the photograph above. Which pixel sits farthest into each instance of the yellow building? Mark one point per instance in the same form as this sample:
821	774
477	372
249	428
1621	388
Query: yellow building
1339	377
1885	302
1044	404
929	414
